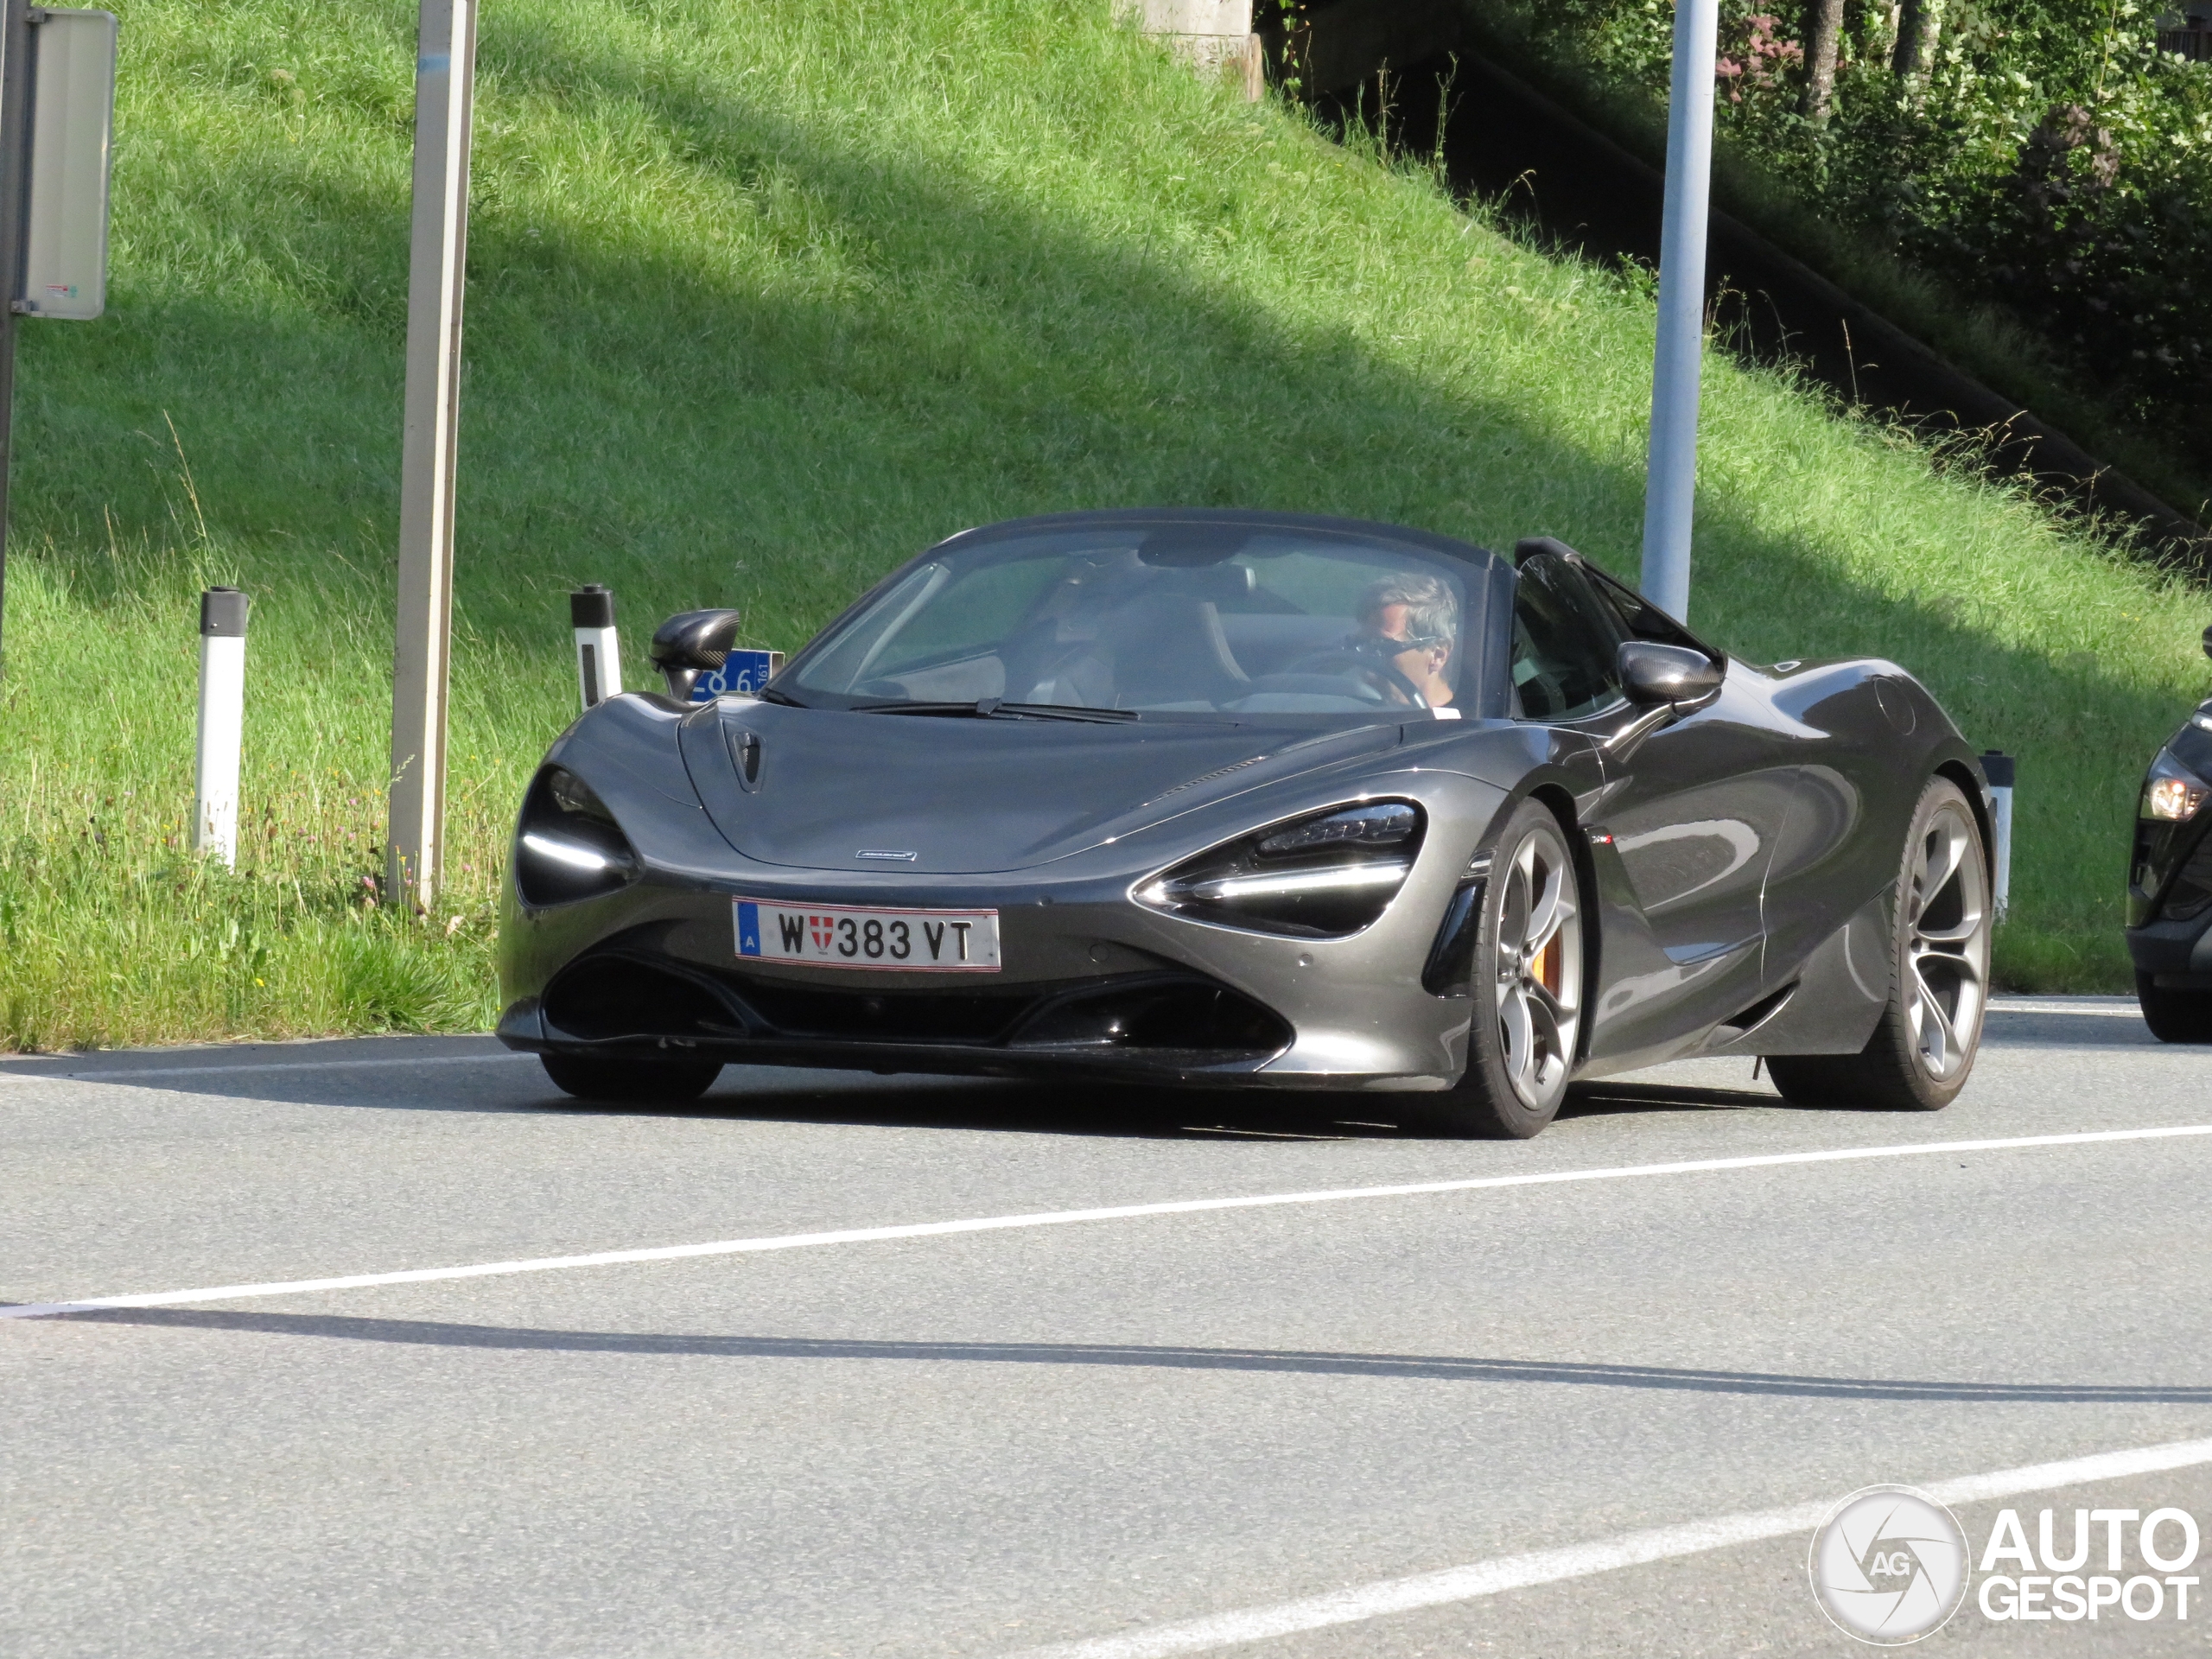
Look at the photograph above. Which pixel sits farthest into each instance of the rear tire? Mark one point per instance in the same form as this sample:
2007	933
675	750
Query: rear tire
1923	1047
2175	1016
1528	988
631	1082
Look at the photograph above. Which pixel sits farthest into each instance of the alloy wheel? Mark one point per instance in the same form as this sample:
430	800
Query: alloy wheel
1539	967
1947	942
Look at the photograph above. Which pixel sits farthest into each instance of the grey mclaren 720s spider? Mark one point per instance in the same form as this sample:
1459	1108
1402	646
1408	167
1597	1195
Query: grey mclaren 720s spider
1232	798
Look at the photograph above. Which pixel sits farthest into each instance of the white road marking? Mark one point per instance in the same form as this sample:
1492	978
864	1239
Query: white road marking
2119	1011
1388	1596
258	1065
1069	1217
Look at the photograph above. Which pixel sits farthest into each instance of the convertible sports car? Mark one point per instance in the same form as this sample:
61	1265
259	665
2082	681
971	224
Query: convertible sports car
2170	885
1225	797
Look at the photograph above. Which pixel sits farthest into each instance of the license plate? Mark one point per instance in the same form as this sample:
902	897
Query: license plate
867	936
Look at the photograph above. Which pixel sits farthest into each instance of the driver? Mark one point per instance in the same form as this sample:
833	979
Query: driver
1411	622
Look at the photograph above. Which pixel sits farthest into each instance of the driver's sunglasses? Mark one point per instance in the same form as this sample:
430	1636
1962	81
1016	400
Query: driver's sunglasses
1428	641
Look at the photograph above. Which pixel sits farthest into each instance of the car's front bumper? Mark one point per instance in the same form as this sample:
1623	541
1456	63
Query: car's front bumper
1095	983
2176	954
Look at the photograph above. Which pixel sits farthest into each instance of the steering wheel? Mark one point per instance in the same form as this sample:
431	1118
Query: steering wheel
1382	677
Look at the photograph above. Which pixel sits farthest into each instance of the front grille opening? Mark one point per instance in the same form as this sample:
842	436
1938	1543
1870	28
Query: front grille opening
1186	1014
963	1017
616	996
602	998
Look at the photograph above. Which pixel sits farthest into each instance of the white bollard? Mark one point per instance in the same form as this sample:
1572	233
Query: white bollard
1997	767
599	653
222	720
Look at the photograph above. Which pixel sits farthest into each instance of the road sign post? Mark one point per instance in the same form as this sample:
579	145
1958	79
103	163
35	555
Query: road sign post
444	93
57	120
1670	479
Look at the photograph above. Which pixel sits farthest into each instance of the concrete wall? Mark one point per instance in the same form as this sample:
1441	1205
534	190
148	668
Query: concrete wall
1214	35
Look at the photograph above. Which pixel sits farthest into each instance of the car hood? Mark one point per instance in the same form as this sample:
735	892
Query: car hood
969	796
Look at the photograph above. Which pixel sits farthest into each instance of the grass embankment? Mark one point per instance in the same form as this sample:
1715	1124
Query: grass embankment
764	297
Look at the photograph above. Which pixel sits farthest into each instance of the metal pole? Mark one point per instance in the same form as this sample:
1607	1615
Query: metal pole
1670	485
444	83
222	723
15	204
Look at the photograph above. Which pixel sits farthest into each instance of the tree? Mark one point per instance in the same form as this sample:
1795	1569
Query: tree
1823	34
1916	24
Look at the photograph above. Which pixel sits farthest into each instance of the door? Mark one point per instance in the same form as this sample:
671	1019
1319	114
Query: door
1693	811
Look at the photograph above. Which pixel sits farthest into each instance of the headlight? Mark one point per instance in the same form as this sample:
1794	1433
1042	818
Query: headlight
568	845
1322	876
2172	792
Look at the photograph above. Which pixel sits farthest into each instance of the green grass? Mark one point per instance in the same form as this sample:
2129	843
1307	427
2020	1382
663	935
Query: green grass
765	296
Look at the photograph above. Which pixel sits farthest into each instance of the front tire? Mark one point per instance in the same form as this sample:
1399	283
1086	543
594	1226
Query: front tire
1528	986
629	1082
2175	1016
1923	1047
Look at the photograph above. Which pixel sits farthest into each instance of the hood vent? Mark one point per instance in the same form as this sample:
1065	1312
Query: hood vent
1193	783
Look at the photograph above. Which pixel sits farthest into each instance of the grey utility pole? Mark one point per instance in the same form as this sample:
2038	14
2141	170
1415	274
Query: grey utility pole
15	154
1670	484
445	68
57	122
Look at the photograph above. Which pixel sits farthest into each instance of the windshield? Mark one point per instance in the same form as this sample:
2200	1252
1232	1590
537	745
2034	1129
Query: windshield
1157	617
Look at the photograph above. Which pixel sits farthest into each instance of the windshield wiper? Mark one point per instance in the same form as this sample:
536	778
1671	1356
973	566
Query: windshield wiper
769	694
1062	711
993	708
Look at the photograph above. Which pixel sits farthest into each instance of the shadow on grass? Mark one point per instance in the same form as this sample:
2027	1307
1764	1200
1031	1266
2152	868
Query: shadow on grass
1432	1368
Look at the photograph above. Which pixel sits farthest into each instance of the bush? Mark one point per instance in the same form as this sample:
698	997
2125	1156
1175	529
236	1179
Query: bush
2042	156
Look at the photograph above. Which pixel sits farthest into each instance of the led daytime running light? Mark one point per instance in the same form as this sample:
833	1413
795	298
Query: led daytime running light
569	853
1342	878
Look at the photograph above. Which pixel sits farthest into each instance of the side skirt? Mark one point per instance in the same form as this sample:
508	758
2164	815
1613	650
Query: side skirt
1841	989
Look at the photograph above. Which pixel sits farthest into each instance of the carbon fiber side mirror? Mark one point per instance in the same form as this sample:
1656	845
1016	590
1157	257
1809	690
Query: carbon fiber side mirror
690	644
1652	673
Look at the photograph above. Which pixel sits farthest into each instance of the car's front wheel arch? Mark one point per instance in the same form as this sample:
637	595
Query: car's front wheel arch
1971	787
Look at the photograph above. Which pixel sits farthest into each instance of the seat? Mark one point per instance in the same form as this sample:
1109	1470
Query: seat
1169	648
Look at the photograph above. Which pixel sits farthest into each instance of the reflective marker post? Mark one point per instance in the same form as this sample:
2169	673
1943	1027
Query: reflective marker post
222	723
1670	485
1997	767
599	652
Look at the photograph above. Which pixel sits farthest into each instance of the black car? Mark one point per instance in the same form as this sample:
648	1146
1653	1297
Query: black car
2170	885
1188	796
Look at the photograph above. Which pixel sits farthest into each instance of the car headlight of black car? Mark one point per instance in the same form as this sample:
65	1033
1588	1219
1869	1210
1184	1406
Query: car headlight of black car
2172	793
1321	876
568	845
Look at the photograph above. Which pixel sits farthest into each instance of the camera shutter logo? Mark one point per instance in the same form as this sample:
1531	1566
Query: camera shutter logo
1889	1564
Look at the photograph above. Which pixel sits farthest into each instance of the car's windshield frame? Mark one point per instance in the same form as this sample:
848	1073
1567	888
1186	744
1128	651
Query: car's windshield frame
1195	540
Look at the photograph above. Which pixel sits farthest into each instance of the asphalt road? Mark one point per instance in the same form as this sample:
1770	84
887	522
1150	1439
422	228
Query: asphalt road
985	1441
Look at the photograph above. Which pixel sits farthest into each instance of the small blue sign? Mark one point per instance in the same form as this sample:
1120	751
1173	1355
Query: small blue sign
741	676
749	928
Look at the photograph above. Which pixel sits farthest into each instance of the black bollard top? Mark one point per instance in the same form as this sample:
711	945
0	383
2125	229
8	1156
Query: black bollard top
222	613
592	606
